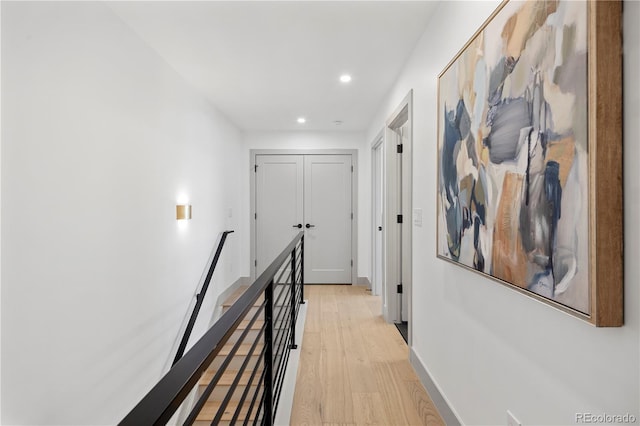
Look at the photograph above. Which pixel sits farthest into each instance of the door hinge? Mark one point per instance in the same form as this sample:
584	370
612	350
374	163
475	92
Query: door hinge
351	262
399	148
399	218
351	216
255	262
255	216
255	168
351	169
399	288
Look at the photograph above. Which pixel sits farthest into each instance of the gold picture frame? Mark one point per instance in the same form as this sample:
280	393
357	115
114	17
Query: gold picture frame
530	155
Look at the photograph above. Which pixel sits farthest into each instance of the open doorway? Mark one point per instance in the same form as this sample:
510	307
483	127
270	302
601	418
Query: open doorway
397	230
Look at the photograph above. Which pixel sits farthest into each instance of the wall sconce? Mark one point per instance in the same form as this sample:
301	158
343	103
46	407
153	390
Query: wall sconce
183	211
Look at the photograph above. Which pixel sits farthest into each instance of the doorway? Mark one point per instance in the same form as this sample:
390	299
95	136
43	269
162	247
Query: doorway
310	192
377	215
396	256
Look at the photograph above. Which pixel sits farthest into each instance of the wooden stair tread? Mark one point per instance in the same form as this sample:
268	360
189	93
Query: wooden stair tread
210	409
228	377
257	325
243	350
236	295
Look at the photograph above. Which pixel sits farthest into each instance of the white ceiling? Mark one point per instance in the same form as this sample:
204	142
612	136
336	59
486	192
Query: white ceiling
265	63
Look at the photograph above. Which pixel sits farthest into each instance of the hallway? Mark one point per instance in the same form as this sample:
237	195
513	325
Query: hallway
354	367
118	115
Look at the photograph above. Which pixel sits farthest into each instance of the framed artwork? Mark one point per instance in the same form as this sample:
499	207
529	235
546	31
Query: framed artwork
530	155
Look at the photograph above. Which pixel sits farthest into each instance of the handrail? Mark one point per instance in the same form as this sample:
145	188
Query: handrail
163	400
199	299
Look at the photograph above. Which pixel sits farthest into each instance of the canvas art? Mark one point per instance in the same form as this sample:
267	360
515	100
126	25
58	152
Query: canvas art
514	165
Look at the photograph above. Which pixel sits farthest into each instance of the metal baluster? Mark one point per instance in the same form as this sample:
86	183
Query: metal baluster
302	270
293	300
268	356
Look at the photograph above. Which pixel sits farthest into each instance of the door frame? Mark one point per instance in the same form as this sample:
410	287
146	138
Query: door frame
378	143
404	109
354	198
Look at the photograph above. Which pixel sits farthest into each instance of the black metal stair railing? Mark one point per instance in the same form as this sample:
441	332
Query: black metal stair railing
243	356
200	298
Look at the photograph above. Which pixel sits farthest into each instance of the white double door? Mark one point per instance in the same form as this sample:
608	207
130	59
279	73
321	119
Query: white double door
310	193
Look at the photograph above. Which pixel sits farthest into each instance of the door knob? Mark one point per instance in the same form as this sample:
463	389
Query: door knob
379	228
309	226
298	226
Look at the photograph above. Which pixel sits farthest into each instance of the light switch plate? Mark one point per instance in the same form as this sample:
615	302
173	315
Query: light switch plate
417	217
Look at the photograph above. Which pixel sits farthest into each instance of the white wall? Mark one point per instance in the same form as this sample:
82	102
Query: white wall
100	138
320	140
491	349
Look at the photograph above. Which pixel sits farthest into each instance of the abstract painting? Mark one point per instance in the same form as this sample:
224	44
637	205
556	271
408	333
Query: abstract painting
517	153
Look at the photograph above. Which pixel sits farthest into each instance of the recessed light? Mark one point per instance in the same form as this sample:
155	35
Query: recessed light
345	78
302	120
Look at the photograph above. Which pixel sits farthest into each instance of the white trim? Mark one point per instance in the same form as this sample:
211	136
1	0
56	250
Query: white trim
254	152
364	281
446	410
391	210
354	198
378	143
389	224
285	405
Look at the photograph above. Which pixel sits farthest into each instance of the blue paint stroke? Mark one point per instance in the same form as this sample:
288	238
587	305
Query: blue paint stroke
449	175
465	208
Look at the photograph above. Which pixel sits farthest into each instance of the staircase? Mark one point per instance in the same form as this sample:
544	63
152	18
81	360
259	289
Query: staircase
237	368
214	402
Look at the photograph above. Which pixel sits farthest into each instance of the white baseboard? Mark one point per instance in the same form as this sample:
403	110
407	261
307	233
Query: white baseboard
445	409
364	281
283	415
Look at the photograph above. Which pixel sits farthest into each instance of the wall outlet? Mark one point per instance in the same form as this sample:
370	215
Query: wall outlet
511	420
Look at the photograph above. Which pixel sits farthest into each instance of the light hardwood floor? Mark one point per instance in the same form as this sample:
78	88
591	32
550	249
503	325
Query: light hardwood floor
354	367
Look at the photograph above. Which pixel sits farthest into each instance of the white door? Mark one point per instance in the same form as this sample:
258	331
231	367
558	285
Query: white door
328	216
279	205
301	190
378	206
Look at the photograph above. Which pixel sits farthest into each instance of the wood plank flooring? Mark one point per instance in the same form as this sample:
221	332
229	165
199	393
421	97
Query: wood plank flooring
354	367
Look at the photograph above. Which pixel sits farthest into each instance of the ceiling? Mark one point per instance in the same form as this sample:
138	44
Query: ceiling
263	64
